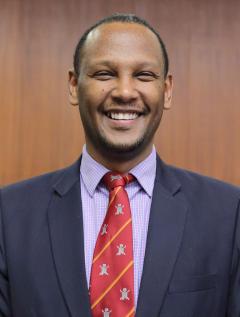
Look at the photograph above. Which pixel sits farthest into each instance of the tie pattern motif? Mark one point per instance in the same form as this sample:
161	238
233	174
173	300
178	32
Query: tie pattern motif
112	275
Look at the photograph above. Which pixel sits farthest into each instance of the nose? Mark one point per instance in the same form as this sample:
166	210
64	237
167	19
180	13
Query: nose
125	90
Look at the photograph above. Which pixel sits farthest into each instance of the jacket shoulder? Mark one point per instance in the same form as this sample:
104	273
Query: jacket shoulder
35	190
193	183
44	180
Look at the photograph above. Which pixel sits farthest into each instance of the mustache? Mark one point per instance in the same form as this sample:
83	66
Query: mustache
125	107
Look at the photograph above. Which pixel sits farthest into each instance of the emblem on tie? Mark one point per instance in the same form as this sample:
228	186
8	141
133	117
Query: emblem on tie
119	209
124	294
121	249
115	177
104	229
106	312
104	267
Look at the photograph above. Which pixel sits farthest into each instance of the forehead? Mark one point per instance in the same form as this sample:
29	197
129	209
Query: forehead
126	41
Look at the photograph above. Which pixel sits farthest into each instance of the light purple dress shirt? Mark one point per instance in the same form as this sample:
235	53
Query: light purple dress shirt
95	201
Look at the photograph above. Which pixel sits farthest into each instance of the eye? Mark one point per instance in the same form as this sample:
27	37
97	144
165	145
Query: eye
146	76
103	75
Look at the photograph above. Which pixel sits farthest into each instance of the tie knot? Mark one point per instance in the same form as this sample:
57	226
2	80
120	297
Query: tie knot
113	179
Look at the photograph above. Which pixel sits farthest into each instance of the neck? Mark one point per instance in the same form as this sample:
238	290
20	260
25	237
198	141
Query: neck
116	163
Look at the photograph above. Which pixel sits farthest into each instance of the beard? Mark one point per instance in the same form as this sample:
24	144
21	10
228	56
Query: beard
122	151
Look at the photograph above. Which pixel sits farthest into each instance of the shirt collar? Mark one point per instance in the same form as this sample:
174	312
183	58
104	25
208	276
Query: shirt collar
92	172
145	172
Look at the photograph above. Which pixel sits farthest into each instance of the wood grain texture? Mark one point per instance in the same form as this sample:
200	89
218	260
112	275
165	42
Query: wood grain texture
40	132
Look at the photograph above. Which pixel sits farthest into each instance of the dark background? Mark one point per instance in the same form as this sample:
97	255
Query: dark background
39	132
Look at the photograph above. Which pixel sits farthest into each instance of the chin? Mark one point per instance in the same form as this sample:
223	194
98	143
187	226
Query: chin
121	150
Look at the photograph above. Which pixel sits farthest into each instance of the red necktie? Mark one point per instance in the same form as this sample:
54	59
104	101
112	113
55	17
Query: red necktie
112	276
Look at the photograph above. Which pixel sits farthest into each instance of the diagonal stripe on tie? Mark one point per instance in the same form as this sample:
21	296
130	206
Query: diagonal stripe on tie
112	284
112	239
114	196
131	312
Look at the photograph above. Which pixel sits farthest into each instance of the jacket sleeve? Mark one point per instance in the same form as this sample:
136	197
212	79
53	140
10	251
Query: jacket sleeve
4	283
234	293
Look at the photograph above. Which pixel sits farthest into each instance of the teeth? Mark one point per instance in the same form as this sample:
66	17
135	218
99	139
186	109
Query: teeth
122	116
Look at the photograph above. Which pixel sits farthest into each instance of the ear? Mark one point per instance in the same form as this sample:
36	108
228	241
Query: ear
168	87
73	88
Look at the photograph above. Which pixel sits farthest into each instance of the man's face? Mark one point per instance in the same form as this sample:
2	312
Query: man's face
121	89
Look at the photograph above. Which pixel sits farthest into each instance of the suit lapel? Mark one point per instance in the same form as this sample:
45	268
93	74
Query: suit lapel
165	231
66	233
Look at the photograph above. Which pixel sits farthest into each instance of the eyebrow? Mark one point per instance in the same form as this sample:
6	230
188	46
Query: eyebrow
109	63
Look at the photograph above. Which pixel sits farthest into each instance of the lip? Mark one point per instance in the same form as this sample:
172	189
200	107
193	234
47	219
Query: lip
117	110
121	124
122	115
125	110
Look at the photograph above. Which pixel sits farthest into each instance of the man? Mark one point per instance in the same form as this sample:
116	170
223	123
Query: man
182	238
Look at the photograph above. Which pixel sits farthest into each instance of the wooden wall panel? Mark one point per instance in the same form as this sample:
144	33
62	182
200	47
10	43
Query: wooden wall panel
39	132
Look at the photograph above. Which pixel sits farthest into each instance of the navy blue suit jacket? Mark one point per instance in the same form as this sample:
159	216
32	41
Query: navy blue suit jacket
192	260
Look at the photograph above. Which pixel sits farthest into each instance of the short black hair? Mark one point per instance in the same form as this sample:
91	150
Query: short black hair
124	18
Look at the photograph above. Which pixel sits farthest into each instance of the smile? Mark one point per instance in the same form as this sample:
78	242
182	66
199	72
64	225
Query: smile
122	115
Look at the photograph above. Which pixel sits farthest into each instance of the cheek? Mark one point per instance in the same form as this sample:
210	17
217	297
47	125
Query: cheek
155	104
152	93
92	95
